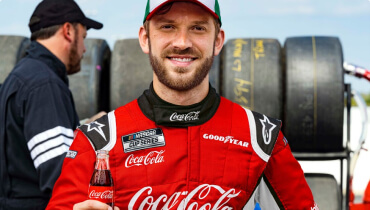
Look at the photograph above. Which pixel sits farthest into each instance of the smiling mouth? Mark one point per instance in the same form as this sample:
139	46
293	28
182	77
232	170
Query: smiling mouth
181	59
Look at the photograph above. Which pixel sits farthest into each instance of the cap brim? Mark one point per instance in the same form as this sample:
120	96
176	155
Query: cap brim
152	13
89	23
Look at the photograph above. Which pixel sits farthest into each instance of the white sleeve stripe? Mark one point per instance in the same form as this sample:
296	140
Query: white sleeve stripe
252	127
52	138
112	131
47	145
48	134
50	154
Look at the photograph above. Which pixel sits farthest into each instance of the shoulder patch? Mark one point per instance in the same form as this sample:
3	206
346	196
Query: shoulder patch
102	132
71	154
264	132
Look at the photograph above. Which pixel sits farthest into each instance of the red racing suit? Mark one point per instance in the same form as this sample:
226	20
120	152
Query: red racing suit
211	155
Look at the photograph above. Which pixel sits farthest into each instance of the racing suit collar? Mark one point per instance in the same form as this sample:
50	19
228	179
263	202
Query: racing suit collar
167	114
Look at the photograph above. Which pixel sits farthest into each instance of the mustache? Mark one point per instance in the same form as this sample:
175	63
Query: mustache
187	51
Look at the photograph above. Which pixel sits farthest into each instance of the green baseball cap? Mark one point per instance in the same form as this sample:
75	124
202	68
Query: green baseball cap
211	6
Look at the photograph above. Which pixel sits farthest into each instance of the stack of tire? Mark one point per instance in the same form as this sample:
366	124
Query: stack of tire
12	49
301	83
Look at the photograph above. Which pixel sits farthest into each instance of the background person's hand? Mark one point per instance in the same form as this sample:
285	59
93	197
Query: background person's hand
92	205
95	117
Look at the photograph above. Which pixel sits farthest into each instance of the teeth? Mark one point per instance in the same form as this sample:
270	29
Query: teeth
182	59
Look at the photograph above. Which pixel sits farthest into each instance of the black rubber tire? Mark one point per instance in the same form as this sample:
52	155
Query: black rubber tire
132	73
215	73
314	94
90	86
12	49
252	75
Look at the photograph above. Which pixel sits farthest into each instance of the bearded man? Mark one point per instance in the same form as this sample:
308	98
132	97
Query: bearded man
37	112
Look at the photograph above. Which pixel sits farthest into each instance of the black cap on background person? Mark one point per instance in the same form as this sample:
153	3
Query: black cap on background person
56	12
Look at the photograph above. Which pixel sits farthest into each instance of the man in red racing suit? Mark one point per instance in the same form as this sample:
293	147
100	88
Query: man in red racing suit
180	145
213	156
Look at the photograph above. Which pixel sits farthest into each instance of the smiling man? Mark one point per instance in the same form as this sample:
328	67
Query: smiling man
180	145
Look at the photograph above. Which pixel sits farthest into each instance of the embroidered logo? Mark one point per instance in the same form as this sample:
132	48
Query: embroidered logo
204	196
267	128
97	127
151	158
143	140
227	139
315	207
285	141
71	154
191	116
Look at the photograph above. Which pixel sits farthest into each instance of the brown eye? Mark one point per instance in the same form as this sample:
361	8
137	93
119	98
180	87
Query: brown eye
199	28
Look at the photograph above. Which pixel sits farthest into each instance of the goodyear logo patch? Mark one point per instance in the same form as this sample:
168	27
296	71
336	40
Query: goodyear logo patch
143	140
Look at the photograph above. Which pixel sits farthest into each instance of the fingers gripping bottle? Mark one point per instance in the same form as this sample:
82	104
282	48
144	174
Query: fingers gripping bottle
101	184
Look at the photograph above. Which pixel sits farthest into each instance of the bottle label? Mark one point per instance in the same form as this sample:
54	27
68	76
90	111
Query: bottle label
101	193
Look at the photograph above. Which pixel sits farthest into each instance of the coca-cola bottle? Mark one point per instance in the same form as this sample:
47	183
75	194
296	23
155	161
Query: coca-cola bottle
101	183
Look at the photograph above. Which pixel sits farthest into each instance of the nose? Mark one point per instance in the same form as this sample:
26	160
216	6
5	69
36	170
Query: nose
182	40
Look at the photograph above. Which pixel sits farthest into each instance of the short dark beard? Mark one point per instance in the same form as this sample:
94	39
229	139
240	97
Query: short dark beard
180	85
74	64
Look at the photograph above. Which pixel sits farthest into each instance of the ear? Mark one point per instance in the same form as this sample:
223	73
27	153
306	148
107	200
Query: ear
144	40
68	31
219	43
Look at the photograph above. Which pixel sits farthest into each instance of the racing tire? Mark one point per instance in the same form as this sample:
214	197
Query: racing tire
12	49
215	73
131	72
90	86
252	75
314	94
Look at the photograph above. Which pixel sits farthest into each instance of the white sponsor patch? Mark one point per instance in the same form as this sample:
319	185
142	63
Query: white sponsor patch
143	140
71	154
226	139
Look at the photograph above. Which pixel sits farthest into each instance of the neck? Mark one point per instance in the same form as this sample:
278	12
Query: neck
183	98
54	46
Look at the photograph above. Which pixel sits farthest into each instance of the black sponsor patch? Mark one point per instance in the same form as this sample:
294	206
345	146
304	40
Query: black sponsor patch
97	132
71	154
143	140
267	129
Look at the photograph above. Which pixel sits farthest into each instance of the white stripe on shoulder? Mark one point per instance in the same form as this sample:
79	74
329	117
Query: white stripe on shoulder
112	131
50	154
46	145
252	127
49	134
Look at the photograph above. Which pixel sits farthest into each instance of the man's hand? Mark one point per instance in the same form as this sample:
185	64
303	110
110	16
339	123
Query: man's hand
92	205
95	117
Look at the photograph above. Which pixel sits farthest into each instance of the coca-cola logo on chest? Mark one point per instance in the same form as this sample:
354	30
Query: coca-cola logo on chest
191	116
153	157
198	198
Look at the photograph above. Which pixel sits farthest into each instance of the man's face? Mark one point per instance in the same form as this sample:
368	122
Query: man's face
77	49
182	45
